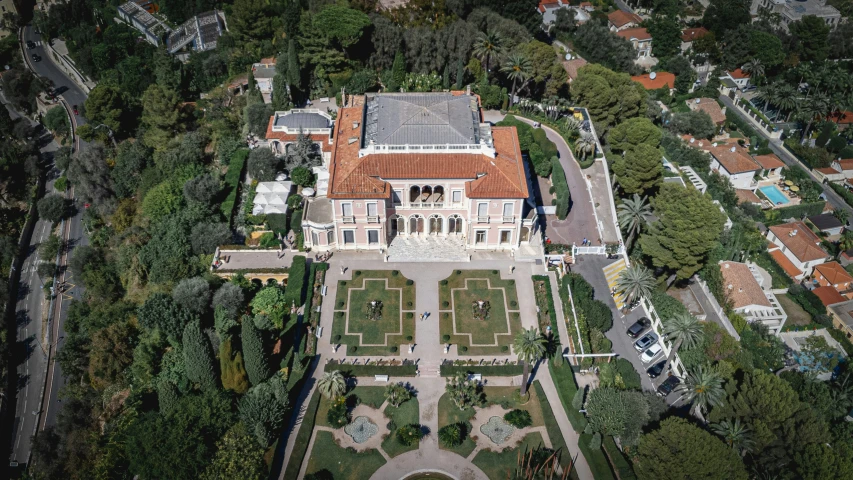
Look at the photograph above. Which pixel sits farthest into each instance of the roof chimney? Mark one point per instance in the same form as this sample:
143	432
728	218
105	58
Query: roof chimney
468	90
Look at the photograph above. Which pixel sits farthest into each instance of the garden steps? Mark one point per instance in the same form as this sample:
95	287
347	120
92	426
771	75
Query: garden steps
429	370
611	273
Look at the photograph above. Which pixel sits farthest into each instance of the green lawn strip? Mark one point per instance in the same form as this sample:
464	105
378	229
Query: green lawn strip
508	397
501	465
342	463
596	459
482	331
371	370
303	437
371	396
623	467
553	429
564	380
408	412
449	413
373	331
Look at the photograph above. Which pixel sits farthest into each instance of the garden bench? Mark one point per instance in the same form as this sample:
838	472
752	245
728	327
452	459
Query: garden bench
380	378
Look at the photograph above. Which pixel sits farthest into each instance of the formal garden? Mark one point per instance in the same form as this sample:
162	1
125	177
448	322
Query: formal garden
478	312
374	313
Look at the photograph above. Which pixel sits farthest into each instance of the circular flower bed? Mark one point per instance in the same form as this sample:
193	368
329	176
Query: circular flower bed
361	429
497	430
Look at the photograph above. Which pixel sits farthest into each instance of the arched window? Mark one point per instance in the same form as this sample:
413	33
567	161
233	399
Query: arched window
426	191
438	191
396	225
454	224
435	224
416	224
414	193
525	234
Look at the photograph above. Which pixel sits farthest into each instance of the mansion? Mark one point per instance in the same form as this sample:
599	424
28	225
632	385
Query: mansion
415	167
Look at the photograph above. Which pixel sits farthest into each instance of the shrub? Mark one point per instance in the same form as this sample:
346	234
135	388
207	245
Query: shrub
336	339
352	348
232	181
494	272
518	418
339	314
444	282
445	338
458	272
504	348
341	304
410	315
394	273
451	435
60	184
513	303
357	273
445	304
561	187
409	304
595	441
463	348
338	415
301	176
392	349
577	399
409	338
410	283
410	434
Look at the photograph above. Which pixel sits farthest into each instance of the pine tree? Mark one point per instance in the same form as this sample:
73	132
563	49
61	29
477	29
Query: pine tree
460	74
198	357
398	73
167	396
254	355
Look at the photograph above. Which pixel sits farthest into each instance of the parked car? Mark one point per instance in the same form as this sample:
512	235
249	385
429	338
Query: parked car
638	327
668	385
655	370
36	58
646	341
651	353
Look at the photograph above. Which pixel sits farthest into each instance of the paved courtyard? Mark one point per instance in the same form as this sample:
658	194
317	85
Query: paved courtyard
427	248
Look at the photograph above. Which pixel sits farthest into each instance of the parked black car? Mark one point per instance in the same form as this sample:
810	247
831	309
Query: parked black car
655	370
668	385
638	327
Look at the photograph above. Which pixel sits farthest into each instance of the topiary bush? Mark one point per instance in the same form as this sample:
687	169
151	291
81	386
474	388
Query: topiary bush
409	338
463	348
410	315
394	273
341	304
336	339
445	338
518	418
504	348
410	434
445	304
444	282
392	349
410	282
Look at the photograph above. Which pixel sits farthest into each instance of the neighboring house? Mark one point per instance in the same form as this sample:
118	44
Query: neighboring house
620	20
284	128
733	162
712	108
833	275
689	35
141	15
828	296
200	33
640	39
799	245
845	166
271	197
828	174
264	71
422	168
572	66
588	6
742	285
771	165
790	11
747	196
738	77
548	9
656	80
842	317
843	118
827	223
846	257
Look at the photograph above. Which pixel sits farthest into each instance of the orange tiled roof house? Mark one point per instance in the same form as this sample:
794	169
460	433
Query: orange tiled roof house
421	169
799	245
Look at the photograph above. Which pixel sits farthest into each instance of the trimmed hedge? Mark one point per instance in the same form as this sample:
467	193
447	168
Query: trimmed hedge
843	193
509	370
232	182
277	222
807	299
620	464
795	211
561	188
596	459
300	444
295	290
564	380
371	370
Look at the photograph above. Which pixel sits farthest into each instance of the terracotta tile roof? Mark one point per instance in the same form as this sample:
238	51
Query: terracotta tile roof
586	5
690	34
803	244
828	171
572	67
834	273
323	140
638	33
747	196
844	117
354	177
738	74
846	164
740	286
769	161
737	161
828	295
662	79
543	5
620	18
787	265
709	106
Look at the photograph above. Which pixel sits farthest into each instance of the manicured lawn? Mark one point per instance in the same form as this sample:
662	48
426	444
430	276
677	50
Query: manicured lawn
500	465
554	433
492	335
508	397
371	396
564	380
406	413
596	459
343	463
375	336
796	314
449	413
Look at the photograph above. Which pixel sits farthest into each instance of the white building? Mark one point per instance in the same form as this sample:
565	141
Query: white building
794	10
264	71
799	249
138	14
744	288
734	163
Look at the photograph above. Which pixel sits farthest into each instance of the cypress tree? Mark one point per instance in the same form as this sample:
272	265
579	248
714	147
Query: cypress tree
445	77
398	73
254	355
460	74
280	99
198	357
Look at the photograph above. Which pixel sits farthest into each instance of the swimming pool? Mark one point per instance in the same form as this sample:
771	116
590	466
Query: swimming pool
774	194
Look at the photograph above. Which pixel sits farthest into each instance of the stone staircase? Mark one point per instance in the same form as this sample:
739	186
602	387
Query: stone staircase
611	273
429	369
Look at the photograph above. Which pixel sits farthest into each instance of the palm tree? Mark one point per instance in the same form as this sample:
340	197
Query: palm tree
846	242
332	384
585	145
786	99
632	214
682	330
736	434
754	68
397	393
813	108
704	388
765	93
486	46
635	282
530	346
517	68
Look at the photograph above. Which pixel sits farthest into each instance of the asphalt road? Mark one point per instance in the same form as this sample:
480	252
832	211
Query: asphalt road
776	145
39	375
